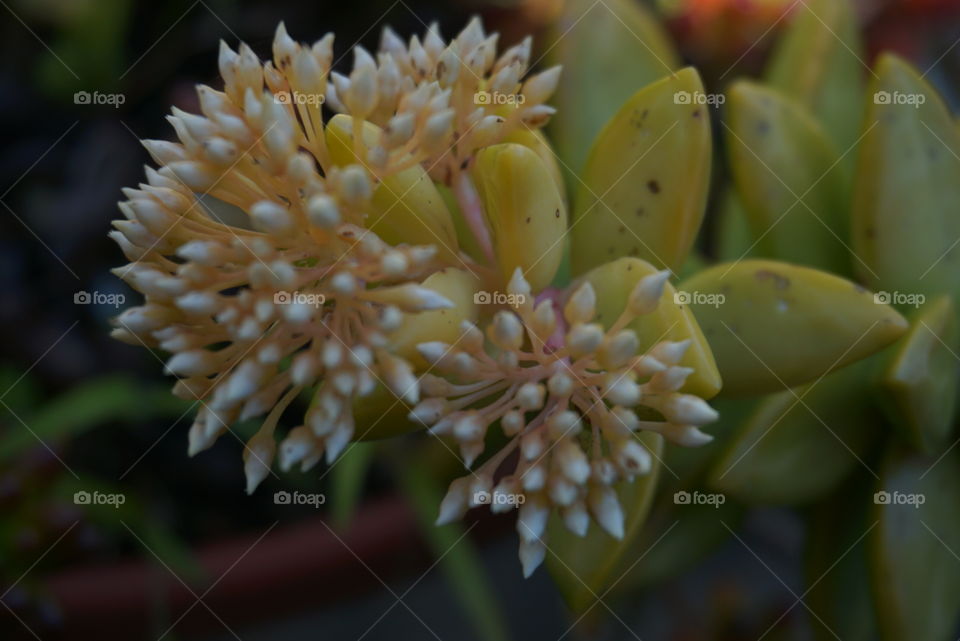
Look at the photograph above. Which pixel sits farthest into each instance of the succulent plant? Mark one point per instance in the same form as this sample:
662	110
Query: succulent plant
424	258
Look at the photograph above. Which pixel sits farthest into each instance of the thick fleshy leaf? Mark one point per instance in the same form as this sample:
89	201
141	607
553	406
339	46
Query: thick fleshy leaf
613	282
524	212
600	73
584	567
923	375
837	564
406	208
774	325
644	188
818	61
907	192
915	570
734	238
788	177
798	445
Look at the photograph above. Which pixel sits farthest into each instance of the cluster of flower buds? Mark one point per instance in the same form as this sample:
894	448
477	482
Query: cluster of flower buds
438	103
566	391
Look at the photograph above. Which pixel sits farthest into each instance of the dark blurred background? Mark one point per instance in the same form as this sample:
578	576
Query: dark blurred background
188	555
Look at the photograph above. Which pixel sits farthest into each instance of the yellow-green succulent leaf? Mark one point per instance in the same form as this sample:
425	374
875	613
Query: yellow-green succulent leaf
406	206
456	285
608	52
837	564
734	238
774	325
534	140
916	585
819	61
788	178
643	191
670	321
799	444
583	567
923	375
907	191
465	238
524	212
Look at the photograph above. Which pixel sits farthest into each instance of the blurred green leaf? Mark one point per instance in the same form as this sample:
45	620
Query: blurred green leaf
799	444
818	61
86	406
922	377
455	553
347	479
914	550
837	564
907	191
788	176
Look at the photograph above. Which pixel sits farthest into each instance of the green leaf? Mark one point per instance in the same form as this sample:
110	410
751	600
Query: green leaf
818	61
85	407
907	191
456	554
914	550
773	325
837	564
347	479
923	375
600	73
788	176
734	238
798	445
583	568
644	188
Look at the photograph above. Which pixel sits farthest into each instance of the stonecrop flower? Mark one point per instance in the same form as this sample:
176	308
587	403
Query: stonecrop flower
286	252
